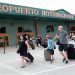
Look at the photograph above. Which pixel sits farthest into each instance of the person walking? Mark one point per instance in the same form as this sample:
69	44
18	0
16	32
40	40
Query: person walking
50	47
22	50
62	36
39	41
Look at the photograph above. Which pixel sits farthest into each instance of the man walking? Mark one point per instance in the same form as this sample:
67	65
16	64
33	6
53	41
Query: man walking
62	35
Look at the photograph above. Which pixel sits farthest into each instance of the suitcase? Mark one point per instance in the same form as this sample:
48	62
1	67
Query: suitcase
71	51
47	55
58	42
30	57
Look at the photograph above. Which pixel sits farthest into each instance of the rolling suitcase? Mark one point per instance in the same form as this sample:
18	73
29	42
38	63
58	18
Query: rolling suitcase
47	55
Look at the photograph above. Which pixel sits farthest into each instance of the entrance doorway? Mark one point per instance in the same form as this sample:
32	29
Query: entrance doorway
72	29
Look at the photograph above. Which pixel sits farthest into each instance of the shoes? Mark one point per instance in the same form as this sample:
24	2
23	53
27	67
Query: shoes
23	66
64	59
32	60
51	60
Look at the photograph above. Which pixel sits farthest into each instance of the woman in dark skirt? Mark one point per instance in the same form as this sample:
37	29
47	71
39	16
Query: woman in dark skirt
22	50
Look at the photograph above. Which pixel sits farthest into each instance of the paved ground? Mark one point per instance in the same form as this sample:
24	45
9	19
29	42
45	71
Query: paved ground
10	64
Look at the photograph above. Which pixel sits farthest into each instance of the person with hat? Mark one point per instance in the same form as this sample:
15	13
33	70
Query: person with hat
50	47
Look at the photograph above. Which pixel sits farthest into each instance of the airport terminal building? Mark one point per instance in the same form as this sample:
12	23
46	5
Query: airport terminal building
15	19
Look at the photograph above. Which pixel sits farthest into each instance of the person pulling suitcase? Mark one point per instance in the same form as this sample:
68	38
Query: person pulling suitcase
50	47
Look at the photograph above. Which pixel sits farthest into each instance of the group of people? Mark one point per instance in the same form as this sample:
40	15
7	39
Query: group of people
63	44
61	35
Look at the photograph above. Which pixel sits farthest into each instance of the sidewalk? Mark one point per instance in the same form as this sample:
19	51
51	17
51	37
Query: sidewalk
10	64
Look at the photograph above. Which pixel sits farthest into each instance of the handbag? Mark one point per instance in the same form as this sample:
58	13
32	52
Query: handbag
58	42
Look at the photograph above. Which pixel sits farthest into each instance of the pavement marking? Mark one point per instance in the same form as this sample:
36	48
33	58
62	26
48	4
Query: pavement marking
13	69
22	73
38	55
52	65
57	68
8	67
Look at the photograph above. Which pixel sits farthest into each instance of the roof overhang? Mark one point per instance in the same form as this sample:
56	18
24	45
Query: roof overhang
10	11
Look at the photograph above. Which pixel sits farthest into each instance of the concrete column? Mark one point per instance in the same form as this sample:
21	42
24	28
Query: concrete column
36	27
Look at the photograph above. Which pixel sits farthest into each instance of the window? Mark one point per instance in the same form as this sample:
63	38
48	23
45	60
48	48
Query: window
72	28
3	30
49	28
21	29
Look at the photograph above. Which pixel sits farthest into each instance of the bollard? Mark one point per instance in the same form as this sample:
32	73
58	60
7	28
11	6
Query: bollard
4	47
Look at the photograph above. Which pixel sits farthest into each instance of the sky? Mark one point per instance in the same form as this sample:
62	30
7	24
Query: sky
68	5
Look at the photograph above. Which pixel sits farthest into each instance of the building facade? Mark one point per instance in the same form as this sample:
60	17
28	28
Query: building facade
16	19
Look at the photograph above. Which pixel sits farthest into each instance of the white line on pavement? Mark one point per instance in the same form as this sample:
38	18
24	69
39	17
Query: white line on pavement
18	72
57	68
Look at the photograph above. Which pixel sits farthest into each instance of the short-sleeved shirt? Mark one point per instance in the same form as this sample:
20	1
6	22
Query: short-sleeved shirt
62	37
50	45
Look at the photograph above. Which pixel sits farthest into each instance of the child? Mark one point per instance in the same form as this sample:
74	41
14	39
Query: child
50	47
